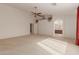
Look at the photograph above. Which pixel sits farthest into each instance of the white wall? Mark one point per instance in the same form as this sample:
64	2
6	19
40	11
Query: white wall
46	28
70	27
13	22
35	28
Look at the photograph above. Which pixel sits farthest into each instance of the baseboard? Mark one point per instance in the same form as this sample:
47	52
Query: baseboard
14	36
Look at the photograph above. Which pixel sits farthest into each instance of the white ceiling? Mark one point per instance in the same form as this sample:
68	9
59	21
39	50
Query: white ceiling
59	9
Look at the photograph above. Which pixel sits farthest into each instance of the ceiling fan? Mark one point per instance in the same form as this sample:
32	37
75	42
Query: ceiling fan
36	13
39	16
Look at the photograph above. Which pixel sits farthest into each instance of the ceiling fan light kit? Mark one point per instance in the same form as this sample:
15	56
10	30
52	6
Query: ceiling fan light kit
50	18
36	21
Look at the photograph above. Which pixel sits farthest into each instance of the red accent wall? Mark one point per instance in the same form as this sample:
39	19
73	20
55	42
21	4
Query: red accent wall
77	32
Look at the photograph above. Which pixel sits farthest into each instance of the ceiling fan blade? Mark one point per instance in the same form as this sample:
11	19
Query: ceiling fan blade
39	13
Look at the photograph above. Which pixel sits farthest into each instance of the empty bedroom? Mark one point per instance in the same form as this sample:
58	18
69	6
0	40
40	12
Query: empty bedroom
39	29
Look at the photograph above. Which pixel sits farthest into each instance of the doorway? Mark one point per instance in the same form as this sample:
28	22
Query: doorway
58	28
31	28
